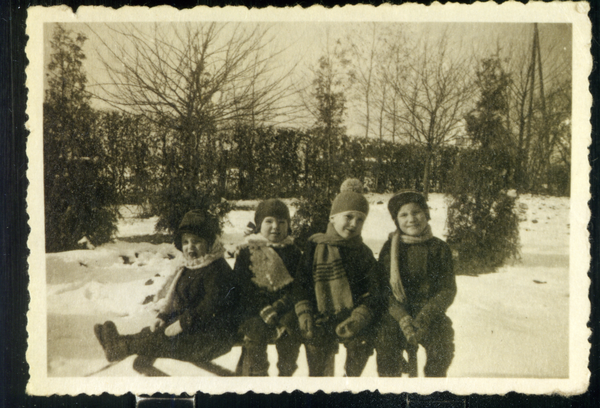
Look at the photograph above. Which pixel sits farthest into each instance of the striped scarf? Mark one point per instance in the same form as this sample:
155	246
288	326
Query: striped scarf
332	288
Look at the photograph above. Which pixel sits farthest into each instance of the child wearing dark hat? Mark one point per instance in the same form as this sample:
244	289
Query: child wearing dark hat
336	291
421	286
196	320
265	267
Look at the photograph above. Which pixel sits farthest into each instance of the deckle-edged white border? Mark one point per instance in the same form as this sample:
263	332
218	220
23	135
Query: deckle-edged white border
579	307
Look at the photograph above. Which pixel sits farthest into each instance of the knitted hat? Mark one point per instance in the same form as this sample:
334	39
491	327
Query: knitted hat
199	223
349	199
406	197
271	208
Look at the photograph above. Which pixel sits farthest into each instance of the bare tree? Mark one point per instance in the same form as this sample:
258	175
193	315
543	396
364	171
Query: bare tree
174	74
195	82
364	51
539	104
435	91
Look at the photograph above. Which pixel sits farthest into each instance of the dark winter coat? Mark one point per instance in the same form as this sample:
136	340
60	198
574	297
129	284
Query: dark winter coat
206	299
362	272
430	287
255	298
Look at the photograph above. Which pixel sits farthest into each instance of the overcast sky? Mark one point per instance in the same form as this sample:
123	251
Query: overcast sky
304	42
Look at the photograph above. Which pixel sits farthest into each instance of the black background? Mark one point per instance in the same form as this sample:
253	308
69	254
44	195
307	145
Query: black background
14	297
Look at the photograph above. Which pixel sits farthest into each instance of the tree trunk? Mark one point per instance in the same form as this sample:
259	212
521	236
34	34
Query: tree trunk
426	174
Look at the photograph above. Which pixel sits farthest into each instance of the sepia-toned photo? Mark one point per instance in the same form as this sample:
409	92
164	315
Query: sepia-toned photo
385	198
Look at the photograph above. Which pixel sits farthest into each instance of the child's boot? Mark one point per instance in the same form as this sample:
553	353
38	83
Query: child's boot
358	353
256	362
288	349
114	345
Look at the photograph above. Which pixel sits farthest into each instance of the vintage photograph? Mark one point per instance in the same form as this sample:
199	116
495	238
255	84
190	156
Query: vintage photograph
264	194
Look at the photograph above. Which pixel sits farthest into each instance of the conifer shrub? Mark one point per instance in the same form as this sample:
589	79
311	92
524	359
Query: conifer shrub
311	217
483	227
79	199
176	198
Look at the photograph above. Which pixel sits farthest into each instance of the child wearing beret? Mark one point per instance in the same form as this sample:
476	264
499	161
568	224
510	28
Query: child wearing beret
336	291
197	318
265	267
421	286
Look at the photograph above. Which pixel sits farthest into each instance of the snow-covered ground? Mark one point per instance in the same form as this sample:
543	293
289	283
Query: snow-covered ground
512	323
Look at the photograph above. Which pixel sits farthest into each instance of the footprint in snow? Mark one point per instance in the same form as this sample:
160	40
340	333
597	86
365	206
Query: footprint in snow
126	260
149	298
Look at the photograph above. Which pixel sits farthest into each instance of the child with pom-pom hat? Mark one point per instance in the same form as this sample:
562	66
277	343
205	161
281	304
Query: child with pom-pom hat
336	291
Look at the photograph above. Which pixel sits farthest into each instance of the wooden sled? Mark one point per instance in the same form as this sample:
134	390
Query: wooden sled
145	366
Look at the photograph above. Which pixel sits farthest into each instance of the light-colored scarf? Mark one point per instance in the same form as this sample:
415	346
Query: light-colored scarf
166	294
266	265
395	278
332	288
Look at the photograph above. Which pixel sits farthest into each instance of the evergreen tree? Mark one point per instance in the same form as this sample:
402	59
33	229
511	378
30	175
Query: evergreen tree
482	224
78	196
322	154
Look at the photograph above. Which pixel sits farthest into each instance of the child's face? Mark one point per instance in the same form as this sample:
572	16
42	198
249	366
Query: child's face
274	229
192	246
348	224
412	220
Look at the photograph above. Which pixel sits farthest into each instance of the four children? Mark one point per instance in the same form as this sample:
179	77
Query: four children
335	292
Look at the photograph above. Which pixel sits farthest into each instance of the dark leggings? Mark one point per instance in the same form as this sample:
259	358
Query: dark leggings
257	336
438	344
321	351
199	347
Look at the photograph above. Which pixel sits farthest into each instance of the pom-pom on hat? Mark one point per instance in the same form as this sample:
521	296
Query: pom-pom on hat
199	223
271	208
352	184
350	199
406	197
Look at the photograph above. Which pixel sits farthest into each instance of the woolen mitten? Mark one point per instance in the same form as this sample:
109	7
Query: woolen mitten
306	325
279	306
269	315
406	325
422	322
358	320
255	329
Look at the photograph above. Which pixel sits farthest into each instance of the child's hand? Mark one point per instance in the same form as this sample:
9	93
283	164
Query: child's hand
269	315
173	329
346	329
158	323
358	320
350	327
406	325
305	321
